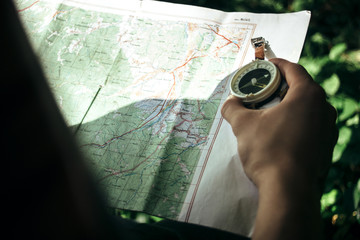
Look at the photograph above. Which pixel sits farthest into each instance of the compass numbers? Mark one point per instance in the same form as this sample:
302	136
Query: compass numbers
255	81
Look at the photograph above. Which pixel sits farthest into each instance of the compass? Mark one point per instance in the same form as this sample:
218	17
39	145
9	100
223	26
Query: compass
255	82
258	82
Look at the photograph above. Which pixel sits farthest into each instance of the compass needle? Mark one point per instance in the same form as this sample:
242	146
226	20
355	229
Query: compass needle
246	85
260	85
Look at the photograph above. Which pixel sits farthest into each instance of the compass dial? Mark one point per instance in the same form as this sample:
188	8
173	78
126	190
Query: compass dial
256	81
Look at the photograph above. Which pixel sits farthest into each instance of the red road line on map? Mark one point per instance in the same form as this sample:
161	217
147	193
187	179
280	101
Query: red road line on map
188	213
173	73
57	13
21	10
199	108
112	139
135	167
161	110
228	43
173	85
162	107
190	59
224	37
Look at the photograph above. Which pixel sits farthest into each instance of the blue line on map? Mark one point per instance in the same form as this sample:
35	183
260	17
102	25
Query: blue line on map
129	174
158	119
183	151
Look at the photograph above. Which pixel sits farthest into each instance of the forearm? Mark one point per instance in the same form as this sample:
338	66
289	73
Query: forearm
289	207
290	153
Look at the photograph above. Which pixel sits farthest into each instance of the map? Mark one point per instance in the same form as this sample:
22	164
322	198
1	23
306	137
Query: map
141	93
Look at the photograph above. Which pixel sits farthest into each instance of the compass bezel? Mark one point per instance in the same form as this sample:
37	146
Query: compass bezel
264	93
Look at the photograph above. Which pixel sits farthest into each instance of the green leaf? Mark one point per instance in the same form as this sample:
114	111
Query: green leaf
337	50
156	219
353	57
142	218
345	134
350	106
357	195
338	151
331	85
318	38
337	102
314	66
298	5
353	121
329	199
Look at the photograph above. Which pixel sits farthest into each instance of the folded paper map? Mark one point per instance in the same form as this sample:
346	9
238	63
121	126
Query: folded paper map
141	83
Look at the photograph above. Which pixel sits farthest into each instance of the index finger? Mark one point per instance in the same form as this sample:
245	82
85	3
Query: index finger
297	78
293	73
236	114
233	109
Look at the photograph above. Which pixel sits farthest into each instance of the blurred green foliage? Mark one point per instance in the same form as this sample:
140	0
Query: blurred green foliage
136	216
331	55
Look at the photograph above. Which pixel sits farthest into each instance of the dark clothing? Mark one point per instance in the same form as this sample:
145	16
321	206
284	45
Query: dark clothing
47	192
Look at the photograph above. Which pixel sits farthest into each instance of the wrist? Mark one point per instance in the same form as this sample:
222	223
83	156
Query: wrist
289	206
289	185
284	168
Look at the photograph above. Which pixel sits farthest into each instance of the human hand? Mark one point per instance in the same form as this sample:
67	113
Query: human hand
296	137
286	151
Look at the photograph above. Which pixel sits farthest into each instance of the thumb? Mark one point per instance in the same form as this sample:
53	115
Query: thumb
234	111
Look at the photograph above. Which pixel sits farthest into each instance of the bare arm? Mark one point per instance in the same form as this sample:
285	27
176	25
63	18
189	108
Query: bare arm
290	156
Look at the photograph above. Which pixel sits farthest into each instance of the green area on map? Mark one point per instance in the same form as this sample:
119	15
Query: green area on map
141	94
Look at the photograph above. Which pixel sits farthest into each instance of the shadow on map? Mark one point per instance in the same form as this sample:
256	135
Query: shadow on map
144	155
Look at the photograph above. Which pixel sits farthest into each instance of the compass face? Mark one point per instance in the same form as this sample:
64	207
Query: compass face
256	81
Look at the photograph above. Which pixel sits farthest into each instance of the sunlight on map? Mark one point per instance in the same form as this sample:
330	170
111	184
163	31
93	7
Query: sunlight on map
146	91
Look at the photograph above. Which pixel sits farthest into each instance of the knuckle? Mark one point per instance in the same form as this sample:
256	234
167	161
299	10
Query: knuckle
316	92
299	67
302	68
301	71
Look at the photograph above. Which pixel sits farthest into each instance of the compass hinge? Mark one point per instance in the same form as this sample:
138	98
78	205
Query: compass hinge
259	44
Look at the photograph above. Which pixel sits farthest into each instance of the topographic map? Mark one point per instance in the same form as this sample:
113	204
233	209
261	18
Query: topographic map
140	92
